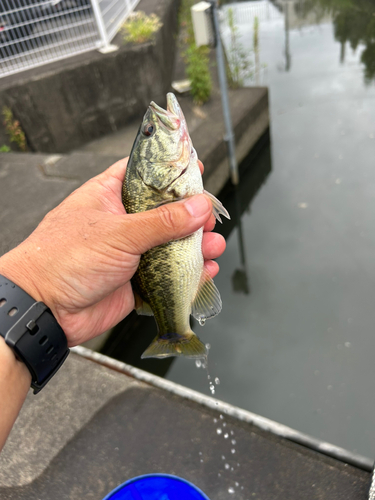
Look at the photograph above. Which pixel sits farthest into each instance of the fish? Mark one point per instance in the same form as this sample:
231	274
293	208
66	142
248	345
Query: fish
171	279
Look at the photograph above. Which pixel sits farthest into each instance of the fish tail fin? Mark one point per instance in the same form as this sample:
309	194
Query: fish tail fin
174	344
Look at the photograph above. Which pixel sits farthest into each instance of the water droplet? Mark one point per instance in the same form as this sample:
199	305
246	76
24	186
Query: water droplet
201	460
226	435
348	344
227	466
238	464
233	441
233	450
222	417
201	321
241	487
231	468
215	420
236	484
231	433
203	365
208	346
224	424
222	456
217	381
219	475
230	490
198	363
200	453
219	431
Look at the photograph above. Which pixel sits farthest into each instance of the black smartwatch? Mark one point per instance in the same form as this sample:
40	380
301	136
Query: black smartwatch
31	331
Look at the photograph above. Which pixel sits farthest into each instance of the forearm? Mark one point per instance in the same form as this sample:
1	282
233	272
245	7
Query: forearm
15	380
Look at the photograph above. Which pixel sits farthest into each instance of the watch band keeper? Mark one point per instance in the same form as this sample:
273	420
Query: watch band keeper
39	341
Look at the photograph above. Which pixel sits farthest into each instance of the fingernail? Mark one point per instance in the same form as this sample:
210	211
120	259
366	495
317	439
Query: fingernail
197	205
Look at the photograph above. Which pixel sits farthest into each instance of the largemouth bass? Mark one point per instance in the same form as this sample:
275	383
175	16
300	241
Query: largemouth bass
171	279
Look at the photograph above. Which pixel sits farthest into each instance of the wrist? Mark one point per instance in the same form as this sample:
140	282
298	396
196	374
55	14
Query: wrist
15	381
19	266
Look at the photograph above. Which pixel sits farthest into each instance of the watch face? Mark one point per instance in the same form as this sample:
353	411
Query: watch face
157	486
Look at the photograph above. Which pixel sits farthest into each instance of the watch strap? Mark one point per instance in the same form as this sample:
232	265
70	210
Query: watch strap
30	329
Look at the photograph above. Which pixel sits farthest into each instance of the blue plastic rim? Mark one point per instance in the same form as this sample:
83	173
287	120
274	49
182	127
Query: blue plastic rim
156	487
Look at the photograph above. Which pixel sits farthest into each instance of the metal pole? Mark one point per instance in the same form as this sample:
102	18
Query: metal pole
100	22
229	137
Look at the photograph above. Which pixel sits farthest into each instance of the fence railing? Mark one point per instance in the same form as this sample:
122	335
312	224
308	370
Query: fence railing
36	32
244	13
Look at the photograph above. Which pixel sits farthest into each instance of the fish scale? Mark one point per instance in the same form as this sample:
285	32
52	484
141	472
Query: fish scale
171	280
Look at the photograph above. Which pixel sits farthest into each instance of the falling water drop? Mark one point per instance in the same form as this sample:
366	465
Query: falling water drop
219	475
226	435
215	420
222	417
230	490
233	450
198	363
234	441
219	431
232	433
208	346
224	424
222	456
217	381
227	466
236	484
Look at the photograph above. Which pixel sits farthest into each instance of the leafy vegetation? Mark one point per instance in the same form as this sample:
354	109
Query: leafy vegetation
4	149
239	63
196	58
140	28
14	129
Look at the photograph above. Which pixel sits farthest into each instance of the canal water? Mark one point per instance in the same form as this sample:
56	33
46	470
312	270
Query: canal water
299	348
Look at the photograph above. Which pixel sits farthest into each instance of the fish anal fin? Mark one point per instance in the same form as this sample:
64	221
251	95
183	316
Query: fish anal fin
142	308
207	302
217	207
174	344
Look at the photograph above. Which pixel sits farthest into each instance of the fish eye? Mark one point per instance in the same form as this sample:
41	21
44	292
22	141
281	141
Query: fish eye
148	129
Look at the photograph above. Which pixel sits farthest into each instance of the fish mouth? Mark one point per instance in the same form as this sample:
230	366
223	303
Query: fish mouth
167	117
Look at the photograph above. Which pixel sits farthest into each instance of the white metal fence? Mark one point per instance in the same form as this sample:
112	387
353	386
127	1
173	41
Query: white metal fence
245	12
36	32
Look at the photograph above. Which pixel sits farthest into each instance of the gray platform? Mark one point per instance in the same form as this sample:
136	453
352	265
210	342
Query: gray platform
93	428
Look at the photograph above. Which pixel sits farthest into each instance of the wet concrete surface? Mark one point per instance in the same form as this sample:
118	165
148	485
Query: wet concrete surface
122	428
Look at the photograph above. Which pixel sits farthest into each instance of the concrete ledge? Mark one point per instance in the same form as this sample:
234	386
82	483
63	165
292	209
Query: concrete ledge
98	427
63	105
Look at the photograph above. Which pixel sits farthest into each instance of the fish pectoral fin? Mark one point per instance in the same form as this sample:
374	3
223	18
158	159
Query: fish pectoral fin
217	207
207	302
174	344
142	308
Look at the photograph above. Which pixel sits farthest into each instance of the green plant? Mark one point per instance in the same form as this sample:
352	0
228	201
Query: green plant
4	149
196	58
198	72
140	28
13	129
240	64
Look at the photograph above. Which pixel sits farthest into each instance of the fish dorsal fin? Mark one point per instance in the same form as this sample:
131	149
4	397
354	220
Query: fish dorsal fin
207	302
217	207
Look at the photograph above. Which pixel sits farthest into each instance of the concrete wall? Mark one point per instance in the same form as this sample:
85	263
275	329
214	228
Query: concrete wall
66	104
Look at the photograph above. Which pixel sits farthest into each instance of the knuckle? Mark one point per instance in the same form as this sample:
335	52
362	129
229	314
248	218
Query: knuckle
168	219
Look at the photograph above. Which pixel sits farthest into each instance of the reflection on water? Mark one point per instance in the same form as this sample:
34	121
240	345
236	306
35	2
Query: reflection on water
300	347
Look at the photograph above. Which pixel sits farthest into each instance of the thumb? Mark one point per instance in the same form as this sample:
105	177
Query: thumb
172	221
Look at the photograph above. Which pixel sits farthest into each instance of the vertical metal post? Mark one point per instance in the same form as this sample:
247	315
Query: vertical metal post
229	137
100	23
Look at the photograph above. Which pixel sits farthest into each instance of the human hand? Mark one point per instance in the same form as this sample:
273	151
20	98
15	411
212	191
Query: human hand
81	257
